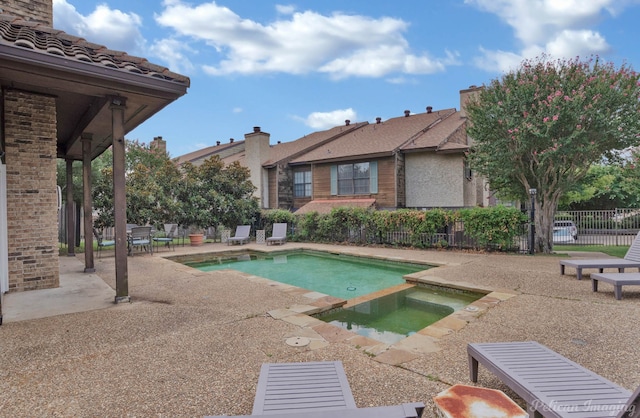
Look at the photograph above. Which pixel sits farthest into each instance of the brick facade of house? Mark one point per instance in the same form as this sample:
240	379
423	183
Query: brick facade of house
33	10
32	201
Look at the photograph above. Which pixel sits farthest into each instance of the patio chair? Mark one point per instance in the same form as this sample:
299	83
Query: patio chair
241	236
630	260
170	231
552	385
279	234
315	390
140	236
101	242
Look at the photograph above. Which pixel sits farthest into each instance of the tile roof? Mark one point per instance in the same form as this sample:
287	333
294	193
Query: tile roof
294	148
324	206
386	137
44	39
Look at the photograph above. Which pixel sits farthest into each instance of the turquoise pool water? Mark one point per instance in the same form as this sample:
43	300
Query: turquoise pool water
393	317
341	276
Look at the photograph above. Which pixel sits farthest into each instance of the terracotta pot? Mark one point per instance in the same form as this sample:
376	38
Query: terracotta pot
196	239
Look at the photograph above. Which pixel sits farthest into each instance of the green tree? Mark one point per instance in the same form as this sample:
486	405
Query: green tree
151	183
543	125
606	186
213	194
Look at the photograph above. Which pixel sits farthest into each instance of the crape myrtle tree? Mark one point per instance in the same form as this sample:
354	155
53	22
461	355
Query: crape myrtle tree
543	125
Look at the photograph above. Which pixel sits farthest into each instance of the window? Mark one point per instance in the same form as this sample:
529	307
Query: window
353	178
302	184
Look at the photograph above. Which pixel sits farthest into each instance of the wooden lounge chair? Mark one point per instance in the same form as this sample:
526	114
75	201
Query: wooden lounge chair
630	260
552	385
241	236
279	234
315	390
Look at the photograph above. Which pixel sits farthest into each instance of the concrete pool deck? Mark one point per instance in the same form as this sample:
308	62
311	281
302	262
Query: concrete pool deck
191	343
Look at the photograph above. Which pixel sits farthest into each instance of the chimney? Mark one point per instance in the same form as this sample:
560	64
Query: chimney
407	113
217	143
257	152
347	122
158	143
429	109
231	140
465	95
378	119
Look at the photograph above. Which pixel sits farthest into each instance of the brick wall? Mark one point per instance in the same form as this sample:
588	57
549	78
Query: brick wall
32	202
33	10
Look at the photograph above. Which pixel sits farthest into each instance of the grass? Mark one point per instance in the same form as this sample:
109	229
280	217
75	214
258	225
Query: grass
615	251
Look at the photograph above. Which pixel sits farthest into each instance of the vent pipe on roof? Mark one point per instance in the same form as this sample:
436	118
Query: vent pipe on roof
256	129
407	113
429	109
231	140
378	119
347	122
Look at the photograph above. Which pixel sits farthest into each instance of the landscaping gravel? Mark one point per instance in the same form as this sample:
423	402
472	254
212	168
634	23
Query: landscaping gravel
191	344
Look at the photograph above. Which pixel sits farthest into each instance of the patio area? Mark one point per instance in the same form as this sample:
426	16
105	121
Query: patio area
191	343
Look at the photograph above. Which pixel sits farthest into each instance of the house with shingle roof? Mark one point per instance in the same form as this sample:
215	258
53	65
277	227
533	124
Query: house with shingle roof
415	161
63	97
410	161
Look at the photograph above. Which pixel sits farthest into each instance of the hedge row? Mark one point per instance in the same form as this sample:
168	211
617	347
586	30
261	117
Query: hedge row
494	227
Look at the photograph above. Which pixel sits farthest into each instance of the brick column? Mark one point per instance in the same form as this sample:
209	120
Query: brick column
32	200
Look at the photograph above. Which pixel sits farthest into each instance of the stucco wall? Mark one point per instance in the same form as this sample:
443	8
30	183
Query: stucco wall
434	180
32	202
33	10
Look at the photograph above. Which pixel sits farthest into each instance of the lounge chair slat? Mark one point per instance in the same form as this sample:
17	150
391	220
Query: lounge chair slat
579	393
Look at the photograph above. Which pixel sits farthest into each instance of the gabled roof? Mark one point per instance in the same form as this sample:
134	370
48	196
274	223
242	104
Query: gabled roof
445	135
384	138
289	150
204	153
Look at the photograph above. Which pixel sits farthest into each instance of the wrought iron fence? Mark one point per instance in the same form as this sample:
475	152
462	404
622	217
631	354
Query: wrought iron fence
603	227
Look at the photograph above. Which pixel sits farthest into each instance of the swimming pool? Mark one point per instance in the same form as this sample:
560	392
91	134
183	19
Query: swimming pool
393	317
337	275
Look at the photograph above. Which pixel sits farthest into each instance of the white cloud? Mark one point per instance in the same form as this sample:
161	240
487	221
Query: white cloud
285	9
560	28
327	120
340	45
171	51
577	42
113	28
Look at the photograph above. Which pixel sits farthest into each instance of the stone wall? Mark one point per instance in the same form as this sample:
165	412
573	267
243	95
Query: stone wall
32	201
33	10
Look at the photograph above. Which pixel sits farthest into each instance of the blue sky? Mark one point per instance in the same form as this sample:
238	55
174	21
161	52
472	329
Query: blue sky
293	68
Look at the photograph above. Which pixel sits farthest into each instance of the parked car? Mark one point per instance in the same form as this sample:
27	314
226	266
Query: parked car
563	236
569	225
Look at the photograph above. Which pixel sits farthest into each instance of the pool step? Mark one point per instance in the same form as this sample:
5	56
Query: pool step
437	299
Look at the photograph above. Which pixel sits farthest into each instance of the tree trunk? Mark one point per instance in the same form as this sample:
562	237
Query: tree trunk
544	217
